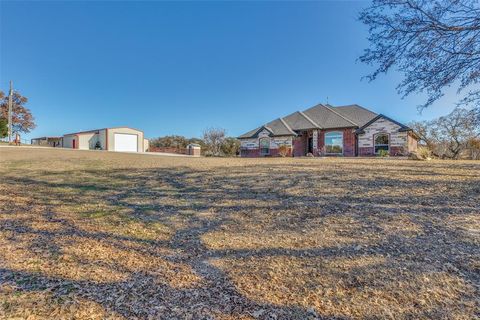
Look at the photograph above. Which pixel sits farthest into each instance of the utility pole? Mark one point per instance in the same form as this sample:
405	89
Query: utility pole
10	106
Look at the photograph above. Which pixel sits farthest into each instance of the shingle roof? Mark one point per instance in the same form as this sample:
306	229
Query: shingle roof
358	114
277	127
317	117
299	121
327	118
280	127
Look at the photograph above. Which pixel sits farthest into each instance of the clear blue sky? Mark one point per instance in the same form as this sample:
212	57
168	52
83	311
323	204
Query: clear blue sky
177	68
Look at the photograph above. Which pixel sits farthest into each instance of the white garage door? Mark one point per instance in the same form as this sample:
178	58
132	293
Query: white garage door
125	142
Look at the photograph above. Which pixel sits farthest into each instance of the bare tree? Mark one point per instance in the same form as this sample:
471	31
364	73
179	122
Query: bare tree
230	146
213	138
450	135
435	44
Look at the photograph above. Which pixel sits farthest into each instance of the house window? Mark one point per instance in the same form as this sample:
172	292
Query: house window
334	142
381	142
264	146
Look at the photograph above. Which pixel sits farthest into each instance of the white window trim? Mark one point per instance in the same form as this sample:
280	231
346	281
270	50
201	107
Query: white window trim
380	145
260	146
325	143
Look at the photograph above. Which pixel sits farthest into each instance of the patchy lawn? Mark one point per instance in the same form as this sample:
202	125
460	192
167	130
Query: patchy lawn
122	236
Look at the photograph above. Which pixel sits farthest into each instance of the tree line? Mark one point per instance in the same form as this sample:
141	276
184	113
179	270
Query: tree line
435	45
454	136
214	142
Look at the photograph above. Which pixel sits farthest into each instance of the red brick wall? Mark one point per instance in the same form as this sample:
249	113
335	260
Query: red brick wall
254	153
250	153
274	153
348	143
300	145
412	143
168	150
398	151
370	151
366	151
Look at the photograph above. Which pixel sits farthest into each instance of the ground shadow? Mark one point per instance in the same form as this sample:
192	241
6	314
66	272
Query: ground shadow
367	217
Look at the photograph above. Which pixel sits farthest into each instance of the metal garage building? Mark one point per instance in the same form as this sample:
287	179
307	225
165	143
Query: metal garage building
122	139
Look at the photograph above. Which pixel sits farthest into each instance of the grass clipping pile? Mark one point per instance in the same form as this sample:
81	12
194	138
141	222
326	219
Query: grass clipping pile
122	236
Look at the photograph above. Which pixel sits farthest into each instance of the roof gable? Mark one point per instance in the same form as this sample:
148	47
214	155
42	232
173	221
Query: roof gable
276	127
254	133
381	116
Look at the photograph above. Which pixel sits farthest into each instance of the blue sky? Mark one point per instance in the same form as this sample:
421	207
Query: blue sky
179	67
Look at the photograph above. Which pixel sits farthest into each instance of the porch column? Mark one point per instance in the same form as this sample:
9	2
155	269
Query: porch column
315	142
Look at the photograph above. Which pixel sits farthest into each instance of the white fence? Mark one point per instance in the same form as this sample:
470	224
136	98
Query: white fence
22	141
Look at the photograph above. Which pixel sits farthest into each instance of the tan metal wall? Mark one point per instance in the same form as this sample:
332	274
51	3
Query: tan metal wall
102	137
67	141
111	139
86	141
146	145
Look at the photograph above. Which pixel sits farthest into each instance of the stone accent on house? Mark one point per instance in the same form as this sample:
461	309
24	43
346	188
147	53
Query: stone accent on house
315	142
250	153
398	140
251	147
365	151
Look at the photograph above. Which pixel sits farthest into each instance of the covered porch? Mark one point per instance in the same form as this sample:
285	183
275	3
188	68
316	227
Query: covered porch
334	142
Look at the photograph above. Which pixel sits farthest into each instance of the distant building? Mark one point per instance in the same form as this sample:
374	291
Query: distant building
111	139
122	139
47	141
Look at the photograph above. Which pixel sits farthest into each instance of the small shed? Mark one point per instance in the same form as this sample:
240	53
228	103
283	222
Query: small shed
194	149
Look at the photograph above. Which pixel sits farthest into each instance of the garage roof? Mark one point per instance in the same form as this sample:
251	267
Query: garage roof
90	131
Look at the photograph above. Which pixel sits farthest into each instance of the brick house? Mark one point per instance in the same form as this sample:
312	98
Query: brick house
325	130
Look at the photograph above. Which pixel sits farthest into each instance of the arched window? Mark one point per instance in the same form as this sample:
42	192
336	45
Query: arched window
382	142
264	146
334	142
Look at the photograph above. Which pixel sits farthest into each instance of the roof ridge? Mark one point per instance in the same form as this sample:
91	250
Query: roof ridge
308	118
338	114
286	125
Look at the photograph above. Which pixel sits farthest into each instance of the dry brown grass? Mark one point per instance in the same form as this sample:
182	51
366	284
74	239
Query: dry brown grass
120	236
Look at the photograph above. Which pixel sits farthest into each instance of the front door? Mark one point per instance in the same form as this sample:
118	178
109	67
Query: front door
73	143
310	145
